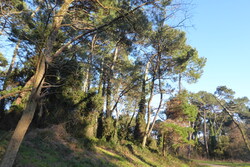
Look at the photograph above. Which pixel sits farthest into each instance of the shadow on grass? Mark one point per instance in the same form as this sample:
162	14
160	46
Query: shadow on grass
46	148
130	147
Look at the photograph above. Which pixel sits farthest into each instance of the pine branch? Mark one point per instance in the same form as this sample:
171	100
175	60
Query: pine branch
100	28
14	93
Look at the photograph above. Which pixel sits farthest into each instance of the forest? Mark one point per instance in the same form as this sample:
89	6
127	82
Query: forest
111	72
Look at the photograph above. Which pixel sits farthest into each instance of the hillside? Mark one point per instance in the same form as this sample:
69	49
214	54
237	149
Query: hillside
55	147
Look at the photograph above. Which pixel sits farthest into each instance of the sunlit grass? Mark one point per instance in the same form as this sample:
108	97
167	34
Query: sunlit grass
225	163
44	149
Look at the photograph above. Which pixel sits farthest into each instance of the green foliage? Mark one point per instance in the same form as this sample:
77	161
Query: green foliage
144	41
176	133
140	127
3	61
84	120
109	129
222	146
13	90
224	92
190	111
189	64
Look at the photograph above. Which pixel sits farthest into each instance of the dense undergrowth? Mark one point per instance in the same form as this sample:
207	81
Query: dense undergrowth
55	147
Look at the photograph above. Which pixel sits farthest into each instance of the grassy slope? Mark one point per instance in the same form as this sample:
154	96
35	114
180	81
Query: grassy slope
55	147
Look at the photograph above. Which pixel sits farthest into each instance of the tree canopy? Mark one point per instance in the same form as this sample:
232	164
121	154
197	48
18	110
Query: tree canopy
97	66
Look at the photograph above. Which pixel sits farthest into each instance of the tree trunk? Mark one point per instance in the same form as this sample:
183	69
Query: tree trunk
108	90
28	84
180	83
129	123
157	112
86	84
163	145
144	140
157	72
205	134
140	118
189	139
140	126
28	114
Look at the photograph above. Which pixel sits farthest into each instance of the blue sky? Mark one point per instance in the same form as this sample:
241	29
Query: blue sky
221	33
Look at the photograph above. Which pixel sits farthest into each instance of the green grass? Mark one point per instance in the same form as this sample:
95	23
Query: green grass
45	148
225	163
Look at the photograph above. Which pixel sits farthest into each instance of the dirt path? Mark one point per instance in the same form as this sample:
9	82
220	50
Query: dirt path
212	165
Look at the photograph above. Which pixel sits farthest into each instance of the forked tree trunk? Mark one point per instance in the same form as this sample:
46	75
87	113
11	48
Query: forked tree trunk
157	73
140	126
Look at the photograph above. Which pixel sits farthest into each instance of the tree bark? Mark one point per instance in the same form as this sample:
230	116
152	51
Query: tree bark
28	84
86	84
149	113
148	131
28	114
180	83
108	90
205	134
140	126
189	139
140	118
163	145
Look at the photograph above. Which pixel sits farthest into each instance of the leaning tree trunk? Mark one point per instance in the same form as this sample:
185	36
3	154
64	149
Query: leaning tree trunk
28	114
244	136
